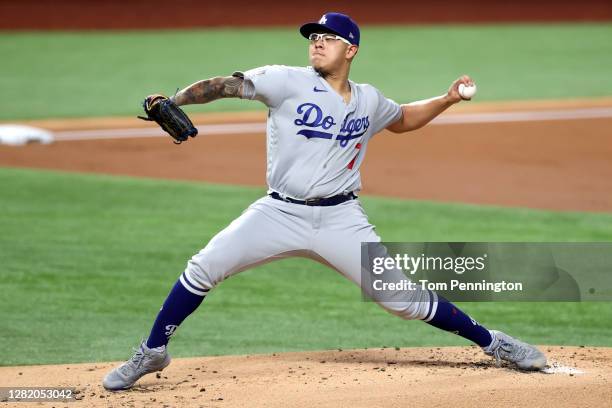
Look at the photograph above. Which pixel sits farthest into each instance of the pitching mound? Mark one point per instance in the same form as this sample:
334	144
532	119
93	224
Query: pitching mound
431	377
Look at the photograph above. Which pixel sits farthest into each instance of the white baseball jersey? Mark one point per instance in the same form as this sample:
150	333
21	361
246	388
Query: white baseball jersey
315	141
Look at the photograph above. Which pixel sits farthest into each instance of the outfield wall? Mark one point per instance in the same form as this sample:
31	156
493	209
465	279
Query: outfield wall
139	14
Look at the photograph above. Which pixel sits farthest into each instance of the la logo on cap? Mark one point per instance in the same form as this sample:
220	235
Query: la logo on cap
323	19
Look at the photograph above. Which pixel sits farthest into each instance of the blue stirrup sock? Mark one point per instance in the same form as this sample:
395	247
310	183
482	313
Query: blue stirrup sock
179	304
450	318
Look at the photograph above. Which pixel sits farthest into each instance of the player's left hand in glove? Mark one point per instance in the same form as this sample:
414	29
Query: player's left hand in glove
169	117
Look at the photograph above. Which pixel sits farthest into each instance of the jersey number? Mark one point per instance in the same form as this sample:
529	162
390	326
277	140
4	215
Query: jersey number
352	163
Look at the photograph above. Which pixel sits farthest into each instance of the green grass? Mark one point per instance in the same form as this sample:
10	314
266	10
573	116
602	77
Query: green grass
86	260
63	74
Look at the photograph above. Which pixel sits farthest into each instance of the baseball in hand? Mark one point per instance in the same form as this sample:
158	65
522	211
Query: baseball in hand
467	92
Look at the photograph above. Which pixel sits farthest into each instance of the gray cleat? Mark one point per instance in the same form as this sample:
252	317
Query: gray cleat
525	356
144	361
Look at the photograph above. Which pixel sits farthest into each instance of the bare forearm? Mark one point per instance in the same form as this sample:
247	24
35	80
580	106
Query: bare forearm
420	113
209	90
417	114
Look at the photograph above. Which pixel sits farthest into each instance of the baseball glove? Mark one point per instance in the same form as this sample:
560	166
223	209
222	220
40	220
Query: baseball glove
169	117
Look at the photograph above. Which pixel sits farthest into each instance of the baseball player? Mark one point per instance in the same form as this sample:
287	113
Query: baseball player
318	129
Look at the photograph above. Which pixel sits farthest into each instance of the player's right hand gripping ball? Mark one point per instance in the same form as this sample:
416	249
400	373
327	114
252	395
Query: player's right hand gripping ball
169	117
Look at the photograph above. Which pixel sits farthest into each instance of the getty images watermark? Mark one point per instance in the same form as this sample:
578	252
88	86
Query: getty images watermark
459	265
477	271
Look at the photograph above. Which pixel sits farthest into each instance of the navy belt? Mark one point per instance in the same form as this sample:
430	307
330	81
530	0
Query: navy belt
321	202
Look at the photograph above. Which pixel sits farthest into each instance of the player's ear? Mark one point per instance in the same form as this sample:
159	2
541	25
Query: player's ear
351	51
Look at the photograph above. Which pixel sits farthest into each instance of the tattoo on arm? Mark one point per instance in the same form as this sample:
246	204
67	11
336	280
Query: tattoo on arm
209	90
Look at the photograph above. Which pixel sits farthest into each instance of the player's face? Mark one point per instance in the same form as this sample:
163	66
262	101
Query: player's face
328	54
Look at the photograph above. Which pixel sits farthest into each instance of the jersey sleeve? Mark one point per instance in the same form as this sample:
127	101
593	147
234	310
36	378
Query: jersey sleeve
387	112
267	84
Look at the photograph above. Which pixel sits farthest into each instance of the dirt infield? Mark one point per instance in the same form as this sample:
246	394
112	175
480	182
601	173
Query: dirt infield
424	377
548	164
155	14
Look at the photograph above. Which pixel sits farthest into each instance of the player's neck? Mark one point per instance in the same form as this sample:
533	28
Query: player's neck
339	82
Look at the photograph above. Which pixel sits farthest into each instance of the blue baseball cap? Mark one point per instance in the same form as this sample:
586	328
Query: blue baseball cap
337	23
